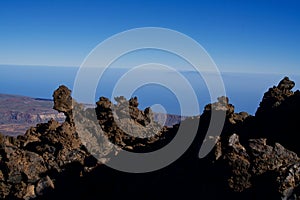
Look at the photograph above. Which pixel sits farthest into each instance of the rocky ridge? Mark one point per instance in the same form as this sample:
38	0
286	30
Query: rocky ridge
253	152
255	157
19	113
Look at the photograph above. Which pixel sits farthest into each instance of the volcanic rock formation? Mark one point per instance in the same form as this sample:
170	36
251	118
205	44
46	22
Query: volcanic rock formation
254	157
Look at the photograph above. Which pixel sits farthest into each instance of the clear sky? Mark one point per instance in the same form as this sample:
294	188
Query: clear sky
243	36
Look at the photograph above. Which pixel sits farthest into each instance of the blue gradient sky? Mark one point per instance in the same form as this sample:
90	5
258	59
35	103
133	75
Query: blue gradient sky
242	36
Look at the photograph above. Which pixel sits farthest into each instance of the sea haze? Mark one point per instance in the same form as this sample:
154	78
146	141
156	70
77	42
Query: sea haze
245	90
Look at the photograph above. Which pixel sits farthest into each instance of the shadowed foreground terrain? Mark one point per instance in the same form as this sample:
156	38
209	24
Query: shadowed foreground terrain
256	157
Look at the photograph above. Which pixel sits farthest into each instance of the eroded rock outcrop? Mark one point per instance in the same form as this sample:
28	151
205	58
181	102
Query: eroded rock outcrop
31	164
253	158
257	153
275	96
128	127
260	162
277	117
63	102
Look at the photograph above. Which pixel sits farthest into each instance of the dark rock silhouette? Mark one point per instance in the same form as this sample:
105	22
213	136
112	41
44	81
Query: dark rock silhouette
255	157
277	117
250	166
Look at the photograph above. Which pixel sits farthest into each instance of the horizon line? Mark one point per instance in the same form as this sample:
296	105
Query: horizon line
182	70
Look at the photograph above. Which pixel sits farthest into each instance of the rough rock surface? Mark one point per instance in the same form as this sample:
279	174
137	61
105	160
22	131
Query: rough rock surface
276	95
255	157
63	102
128	127
30	164
277	117
254	152
258	162
35	164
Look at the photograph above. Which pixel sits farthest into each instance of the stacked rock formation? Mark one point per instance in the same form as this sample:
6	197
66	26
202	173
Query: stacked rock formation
255	157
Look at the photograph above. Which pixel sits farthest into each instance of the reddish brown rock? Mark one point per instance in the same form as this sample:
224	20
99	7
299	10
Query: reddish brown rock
53	160
63	102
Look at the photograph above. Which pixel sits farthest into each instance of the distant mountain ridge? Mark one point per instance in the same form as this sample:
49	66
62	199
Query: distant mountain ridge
19	113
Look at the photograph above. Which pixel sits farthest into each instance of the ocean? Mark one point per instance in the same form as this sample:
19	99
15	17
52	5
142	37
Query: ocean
245	90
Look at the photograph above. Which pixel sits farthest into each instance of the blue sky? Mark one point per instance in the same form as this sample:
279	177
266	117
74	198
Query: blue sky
243	36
